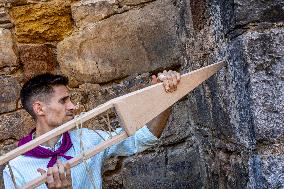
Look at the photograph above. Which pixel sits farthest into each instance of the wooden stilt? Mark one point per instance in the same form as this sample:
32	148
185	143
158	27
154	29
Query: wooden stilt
134	110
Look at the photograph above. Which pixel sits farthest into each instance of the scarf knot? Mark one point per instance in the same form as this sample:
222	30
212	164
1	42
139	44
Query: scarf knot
40	152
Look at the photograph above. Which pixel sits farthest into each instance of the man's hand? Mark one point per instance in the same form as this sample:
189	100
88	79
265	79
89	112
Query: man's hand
170	81
169	78
58	176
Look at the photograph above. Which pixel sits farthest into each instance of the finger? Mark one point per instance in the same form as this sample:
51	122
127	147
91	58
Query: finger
166	85
61	171
56	176
178	77
161	77
170	80
41	171
67	168
174	79
154	79
50	179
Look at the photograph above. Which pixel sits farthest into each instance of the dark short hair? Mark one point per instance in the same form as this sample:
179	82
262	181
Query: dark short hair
40	88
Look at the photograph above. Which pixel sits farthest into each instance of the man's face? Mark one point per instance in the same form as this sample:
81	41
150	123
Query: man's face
59	108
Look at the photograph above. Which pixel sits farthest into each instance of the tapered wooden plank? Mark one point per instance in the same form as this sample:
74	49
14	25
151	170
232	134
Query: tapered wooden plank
138	108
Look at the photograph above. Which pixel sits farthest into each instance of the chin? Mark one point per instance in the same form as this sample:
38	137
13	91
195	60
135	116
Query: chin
68	118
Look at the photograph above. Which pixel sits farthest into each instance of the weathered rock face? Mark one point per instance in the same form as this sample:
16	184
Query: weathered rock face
8	56
172	168
227	133
134	2
122	45
15	125
258	11
42	22
265	52
37	59
4	19
10	90
243	131
85	12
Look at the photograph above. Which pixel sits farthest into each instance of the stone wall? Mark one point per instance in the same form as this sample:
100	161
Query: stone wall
227	133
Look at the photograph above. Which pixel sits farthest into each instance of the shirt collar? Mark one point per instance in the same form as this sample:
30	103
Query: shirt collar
56	146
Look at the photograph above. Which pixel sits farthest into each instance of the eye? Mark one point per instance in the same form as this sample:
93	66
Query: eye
64	100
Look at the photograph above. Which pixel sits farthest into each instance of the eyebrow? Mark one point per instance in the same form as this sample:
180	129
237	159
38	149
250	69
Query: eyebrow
64	98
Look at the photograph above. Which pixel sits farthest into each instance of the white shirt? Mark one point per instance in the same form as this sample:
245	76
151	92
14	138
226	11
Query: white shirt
25	168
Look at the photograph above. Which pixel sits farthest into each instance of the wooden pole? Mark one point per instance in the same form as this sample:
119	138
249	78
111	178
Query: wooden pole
76	160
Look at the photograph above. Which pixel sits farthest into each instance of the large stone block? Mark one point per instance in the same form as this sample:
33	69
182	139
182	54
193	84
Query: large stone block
258	11
8	57
4	19
38	23
176	167
9	95
36	59
86	12
134	42
265	52
15	125
246	103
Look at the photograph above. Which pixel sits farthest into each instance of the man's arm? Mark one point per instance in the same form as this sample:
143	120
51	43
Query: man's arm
170	81
157	125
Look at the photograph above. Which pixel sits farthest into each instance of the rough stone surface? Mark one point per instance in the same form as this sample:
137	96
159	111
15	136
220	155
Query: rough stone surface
258	11
134	42
172	168
86	12
42	22
267	171
5	19
15	125
10	90
263	69
134	2
8	56
265	52
37	59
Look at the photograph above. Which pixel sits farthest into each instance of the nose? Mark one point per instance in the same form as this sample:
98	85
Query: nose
71	106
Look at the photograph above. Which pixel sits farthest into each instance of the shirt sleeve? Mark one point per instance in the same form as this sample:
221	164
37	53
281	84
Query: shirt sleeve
138	142
8	183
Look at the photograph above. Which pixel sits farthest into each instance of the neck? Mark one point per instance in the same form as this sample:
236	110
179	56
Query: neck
41	129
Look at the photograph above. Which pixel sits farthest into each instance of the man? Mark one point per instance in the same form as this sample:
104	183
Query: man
46	98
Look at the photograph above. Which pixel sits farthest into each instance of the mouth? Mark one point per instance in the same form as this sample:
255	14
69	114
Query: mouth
70	115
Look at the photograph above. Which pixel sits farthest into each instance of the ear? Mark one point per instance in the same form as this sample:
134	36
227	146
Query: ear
38	108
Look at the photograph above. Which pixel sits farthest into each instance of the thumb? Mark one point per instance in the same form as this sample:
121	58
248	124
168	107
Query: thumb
154	79
41	171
